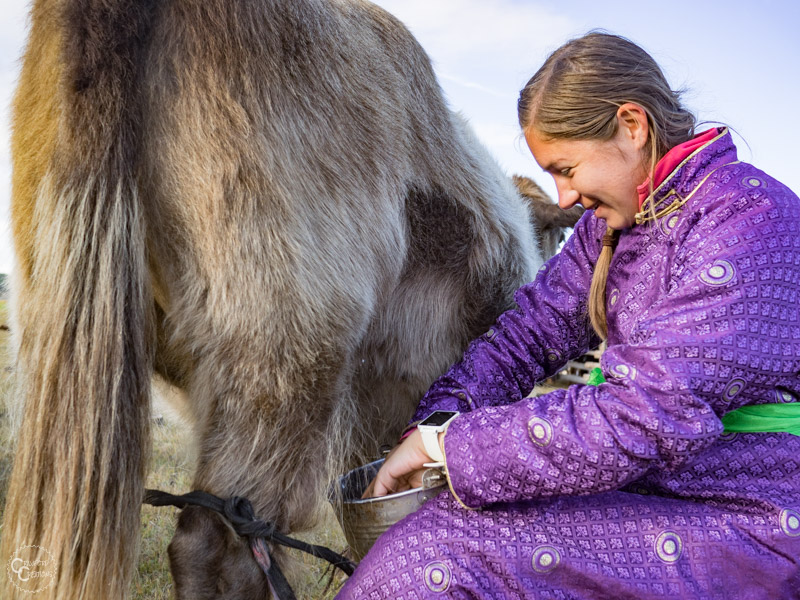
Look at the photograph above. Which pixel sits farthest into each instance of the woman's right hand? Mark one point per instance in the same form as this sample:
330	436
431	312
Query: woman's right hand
402	470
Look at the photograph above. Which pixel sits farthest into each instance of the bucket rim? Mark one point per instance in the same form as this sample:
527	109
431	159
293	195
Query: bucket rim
399	495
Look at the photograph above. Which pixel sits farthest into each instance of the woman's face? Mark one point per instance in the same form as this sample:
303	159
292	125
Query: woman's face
599	175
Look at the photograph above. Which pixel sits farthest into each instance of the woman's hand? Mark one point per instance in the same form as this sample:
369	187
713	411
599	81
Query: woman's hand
402	469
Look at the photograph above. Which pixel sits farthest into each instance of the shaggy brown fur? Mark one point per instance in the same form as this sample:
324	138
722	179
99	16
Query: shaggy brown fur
161	224
548	219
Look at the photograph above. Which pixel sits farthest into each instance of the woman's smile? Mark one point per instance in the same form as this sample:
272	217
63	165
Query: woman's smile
585	171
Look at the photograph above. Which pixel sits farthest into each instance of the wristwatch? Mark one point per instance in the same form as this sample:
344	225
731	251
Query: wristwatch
430	428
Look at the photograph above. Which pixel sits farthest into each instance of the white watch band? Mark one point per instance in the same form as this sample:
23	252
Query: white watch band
430	439
430	428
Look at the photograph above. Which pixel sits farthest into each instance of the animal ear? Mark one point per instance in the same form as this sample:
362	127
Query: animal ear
553	216
530	190
546	213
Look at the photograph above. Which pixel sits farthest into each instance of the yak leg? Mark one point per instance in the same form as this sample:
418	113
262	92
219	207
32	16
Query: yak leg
269	389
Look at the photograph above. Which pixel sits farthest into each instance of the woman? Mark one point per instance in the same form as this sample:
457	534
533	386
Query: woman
688	263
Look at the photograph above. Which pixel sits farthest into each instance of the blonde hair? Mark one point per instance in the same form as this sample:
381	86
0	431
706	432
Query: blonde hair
576	94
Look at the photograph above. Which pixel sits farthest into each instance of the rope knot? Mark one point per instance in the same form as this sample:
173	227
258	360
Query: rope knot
240	514
239	511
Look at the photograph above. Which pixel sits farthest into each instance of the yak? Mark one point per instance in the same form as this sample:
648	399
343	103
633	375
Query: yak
267	203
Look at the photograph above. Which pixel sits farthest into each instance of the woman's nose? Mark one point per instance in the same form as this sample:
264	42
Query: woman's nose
567	197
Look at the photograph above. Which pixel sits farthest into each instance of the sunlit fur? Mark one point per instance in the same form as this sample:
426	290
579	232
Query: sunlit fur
268	204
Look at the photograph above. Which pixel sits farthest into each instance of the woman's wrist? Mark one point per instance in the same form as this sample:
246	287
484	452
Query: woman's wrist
407	433
432	429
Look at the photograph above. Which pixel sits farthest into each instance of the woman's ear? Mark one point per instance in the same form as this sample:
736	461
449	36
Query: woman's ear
632	124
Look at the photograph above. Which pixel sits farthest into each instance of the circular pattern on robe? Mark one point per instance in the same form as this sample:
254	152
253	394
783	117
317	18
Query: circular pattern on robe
552	354
719	273
614	297
541	431
545	559
732	389
623	371
728	437
668	223
437	577
669	546
790	522
753	182
784	395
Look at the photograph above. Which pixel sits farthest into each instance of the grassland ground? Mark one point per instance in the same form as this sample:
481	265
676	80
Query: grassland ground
171	467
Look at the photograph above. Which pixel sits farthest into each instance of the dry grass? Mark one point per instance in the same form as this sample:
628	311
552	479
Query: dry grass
6	390
171	468
171	471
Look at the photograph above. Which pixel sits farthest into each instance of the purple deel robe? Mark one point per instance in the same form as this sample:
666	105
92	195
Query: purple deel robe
629	489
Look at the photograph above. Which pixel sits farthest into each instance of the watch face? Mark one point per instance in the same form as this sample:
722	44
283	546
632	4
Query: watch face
439	417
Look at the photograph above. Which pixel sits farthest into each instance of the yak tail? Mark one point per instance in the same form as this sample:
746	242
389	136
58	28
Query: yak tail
83	307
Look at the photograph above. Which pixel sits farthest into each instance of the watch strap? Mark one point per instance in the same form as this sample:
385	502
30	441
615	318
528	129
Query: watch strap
430	439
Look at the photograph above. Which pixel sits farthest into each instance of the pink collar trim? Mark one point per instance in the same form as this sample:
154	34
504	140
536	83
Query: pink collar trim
672	159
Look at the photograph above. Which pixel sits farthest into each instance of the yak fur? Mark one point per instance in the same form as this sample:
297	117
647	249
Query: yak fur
267	203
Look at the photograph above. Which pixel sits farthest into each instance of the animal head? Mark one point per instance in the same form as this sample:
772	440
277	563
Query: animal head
210	562
550	221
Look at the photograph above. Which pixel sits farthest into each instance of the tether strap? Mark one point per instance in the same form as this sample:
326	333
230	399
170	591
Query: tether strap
239	512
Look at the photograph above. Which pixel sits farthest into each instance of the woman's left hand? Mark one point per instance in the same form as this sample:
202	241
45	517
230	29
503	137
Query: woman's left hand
402	470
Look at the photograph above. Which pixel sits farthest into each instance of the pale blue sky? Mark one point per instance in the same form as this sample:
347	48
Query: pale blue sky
738	58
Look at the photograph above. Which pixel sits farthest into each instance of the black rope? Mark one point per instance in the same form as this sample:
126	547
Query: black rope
239	512
278	584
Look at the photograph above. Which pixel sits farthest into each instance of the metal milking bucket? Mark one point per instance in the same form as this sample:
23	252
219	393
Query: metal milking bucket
363	521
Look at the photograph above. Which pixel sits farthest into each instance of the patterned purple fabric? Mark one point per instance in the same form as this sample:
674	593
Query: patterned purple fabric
629	489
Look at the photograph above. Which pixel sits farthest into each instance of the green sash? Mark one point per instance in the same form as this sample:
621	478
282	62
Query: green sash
596	376
756	418
764	417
